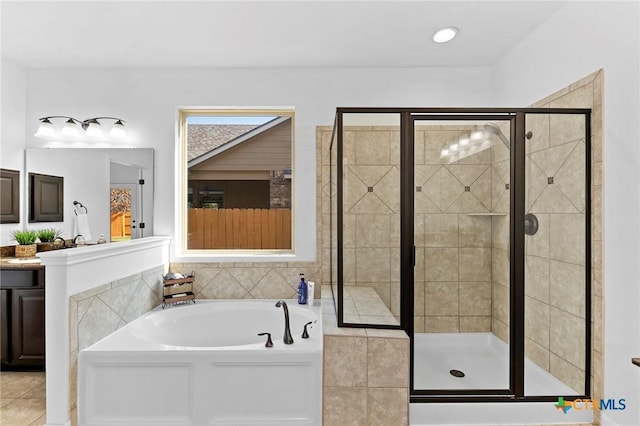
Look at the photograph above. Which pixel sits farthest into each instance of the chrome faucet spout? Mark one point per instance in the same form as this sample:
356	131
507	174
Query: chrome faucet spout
288	339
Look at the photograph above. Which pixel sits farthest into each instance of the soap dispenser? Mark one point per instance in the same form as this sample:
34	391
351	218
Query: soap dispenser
302	291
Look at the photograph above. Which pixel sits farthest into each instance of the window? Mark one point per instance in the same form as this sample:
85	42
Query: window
236	180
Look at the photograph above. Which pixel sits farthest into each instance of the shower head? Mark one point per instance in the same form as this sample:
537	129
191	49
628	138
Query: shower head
493	129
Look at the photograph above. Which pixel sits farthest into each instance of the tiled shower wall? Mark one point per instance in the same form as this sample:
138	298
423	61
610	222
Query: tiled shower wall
554	256
452	284
372	212
453	238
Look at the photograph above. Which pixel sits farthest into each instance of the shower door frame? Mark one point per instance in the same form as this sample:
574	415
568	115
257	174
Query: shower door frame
517	117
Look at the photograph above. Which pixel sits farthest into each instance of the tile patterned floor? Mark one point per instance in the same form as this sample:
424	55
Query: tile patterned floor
22	398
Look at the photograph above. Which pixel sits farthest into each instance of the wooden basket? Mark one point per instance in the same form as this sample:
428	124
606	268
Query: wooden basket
26	250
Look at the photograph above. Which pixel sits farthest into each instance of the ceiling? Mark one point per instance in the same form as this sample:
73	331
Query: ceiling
263	33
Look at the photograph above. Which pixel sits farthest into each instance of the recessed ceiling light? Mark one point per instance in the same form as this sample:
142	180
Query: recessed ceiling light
445	34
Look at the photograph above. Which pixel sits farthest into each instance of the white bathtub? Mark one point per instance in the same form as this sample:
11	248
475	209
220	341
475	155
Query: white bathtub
203	364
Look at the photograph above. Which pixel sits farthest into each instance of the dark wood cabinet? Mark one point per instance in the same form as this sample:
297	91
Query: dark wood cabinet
23	322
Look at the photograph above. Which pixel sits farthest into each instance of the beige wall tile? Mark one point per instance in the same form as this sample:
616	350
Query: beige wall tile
500	329
373	230
418	298
434	142
345	361
475	231
441	230
372	264
344	406
387	189
388	362
567	239
500	232
475	298
500	306
567	337
567	373
98	322
372	147
500	266
475	264
536	278
579	96
568	287
537	353
566	128
441	324
538	125
443	188
387	407
475	324
441	298
538	244
536	315
441	264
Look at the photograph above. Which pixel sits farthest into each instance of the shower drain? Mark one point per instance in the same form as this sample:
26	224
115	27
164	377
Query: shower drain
456	373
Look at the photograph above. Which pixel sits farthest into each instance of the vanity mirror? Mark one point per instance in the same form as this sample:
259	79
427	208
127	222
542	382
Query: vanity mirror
114	185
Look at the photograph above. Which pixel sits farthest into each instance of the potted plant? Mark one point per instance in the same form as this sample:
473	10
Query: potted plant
46	237
26	242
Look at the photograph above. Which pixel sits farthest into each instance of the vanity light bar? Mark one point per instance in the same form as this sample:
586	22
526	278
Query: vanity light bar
91	127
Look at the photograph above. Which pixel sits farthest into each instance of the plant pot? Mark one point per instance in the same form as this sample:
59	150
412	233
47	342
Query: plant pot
28	250
44	246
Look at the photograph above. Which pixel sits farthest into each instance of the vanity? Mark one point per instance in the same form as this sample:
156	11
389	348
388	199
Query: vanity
22	330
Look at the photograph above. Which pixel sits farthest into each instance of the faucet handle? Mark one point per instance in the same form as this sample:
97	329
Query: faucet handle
269	342
305	334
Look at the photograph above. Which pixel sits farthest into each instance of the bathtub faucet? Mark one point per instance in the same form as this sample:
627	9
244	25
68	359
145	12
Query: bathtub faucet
287	331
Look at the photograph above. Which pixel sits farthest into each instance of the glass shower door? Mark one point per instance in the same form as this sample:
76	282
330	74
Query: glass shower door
557	291
462	269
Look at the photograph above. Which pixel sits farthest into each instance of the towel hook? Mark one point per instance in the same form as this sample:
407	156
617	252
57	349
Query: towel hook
78	205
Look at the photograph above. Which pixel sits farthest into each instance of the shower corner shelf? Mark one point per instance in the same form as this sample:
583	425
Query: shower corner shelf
178	290
485	214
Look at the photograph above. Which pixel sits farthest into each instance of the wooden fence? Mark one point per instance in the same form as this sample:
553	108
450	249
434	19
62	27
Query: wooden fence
239	229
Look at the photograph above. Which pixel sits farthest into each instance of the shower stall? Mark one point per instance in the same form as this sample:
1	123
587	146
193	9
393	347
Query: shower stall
469	228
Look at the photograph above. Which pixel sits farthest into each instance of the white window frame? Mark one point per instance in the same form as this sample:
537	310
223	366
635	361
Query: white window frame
184	254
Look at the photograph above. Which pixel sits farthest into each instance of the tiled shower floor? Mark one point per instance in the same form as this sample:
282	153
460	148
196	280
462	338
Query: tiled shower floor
482	357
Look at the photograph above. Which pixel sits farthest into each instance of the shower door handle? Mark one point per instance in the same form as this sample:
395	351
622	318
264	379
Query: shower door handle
413	256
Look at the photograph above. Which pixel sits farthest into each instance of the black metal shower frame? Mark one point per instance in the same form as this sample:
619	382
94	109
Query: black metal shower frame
517	117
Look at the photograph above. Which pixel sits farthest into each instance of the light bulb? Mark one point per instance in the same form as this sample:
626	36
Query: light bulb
445	34
94	130
70	129
464	142
444	152
118	131
45	130
477	135
453	147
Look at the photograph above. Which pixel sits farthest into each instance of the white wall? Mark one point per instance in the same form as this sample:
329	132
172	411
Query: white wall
148	100
12	135
578	40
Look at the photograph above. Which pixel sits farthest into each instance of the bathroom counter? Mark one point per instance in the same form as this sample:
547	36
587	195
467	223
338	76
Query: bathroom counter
20	263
